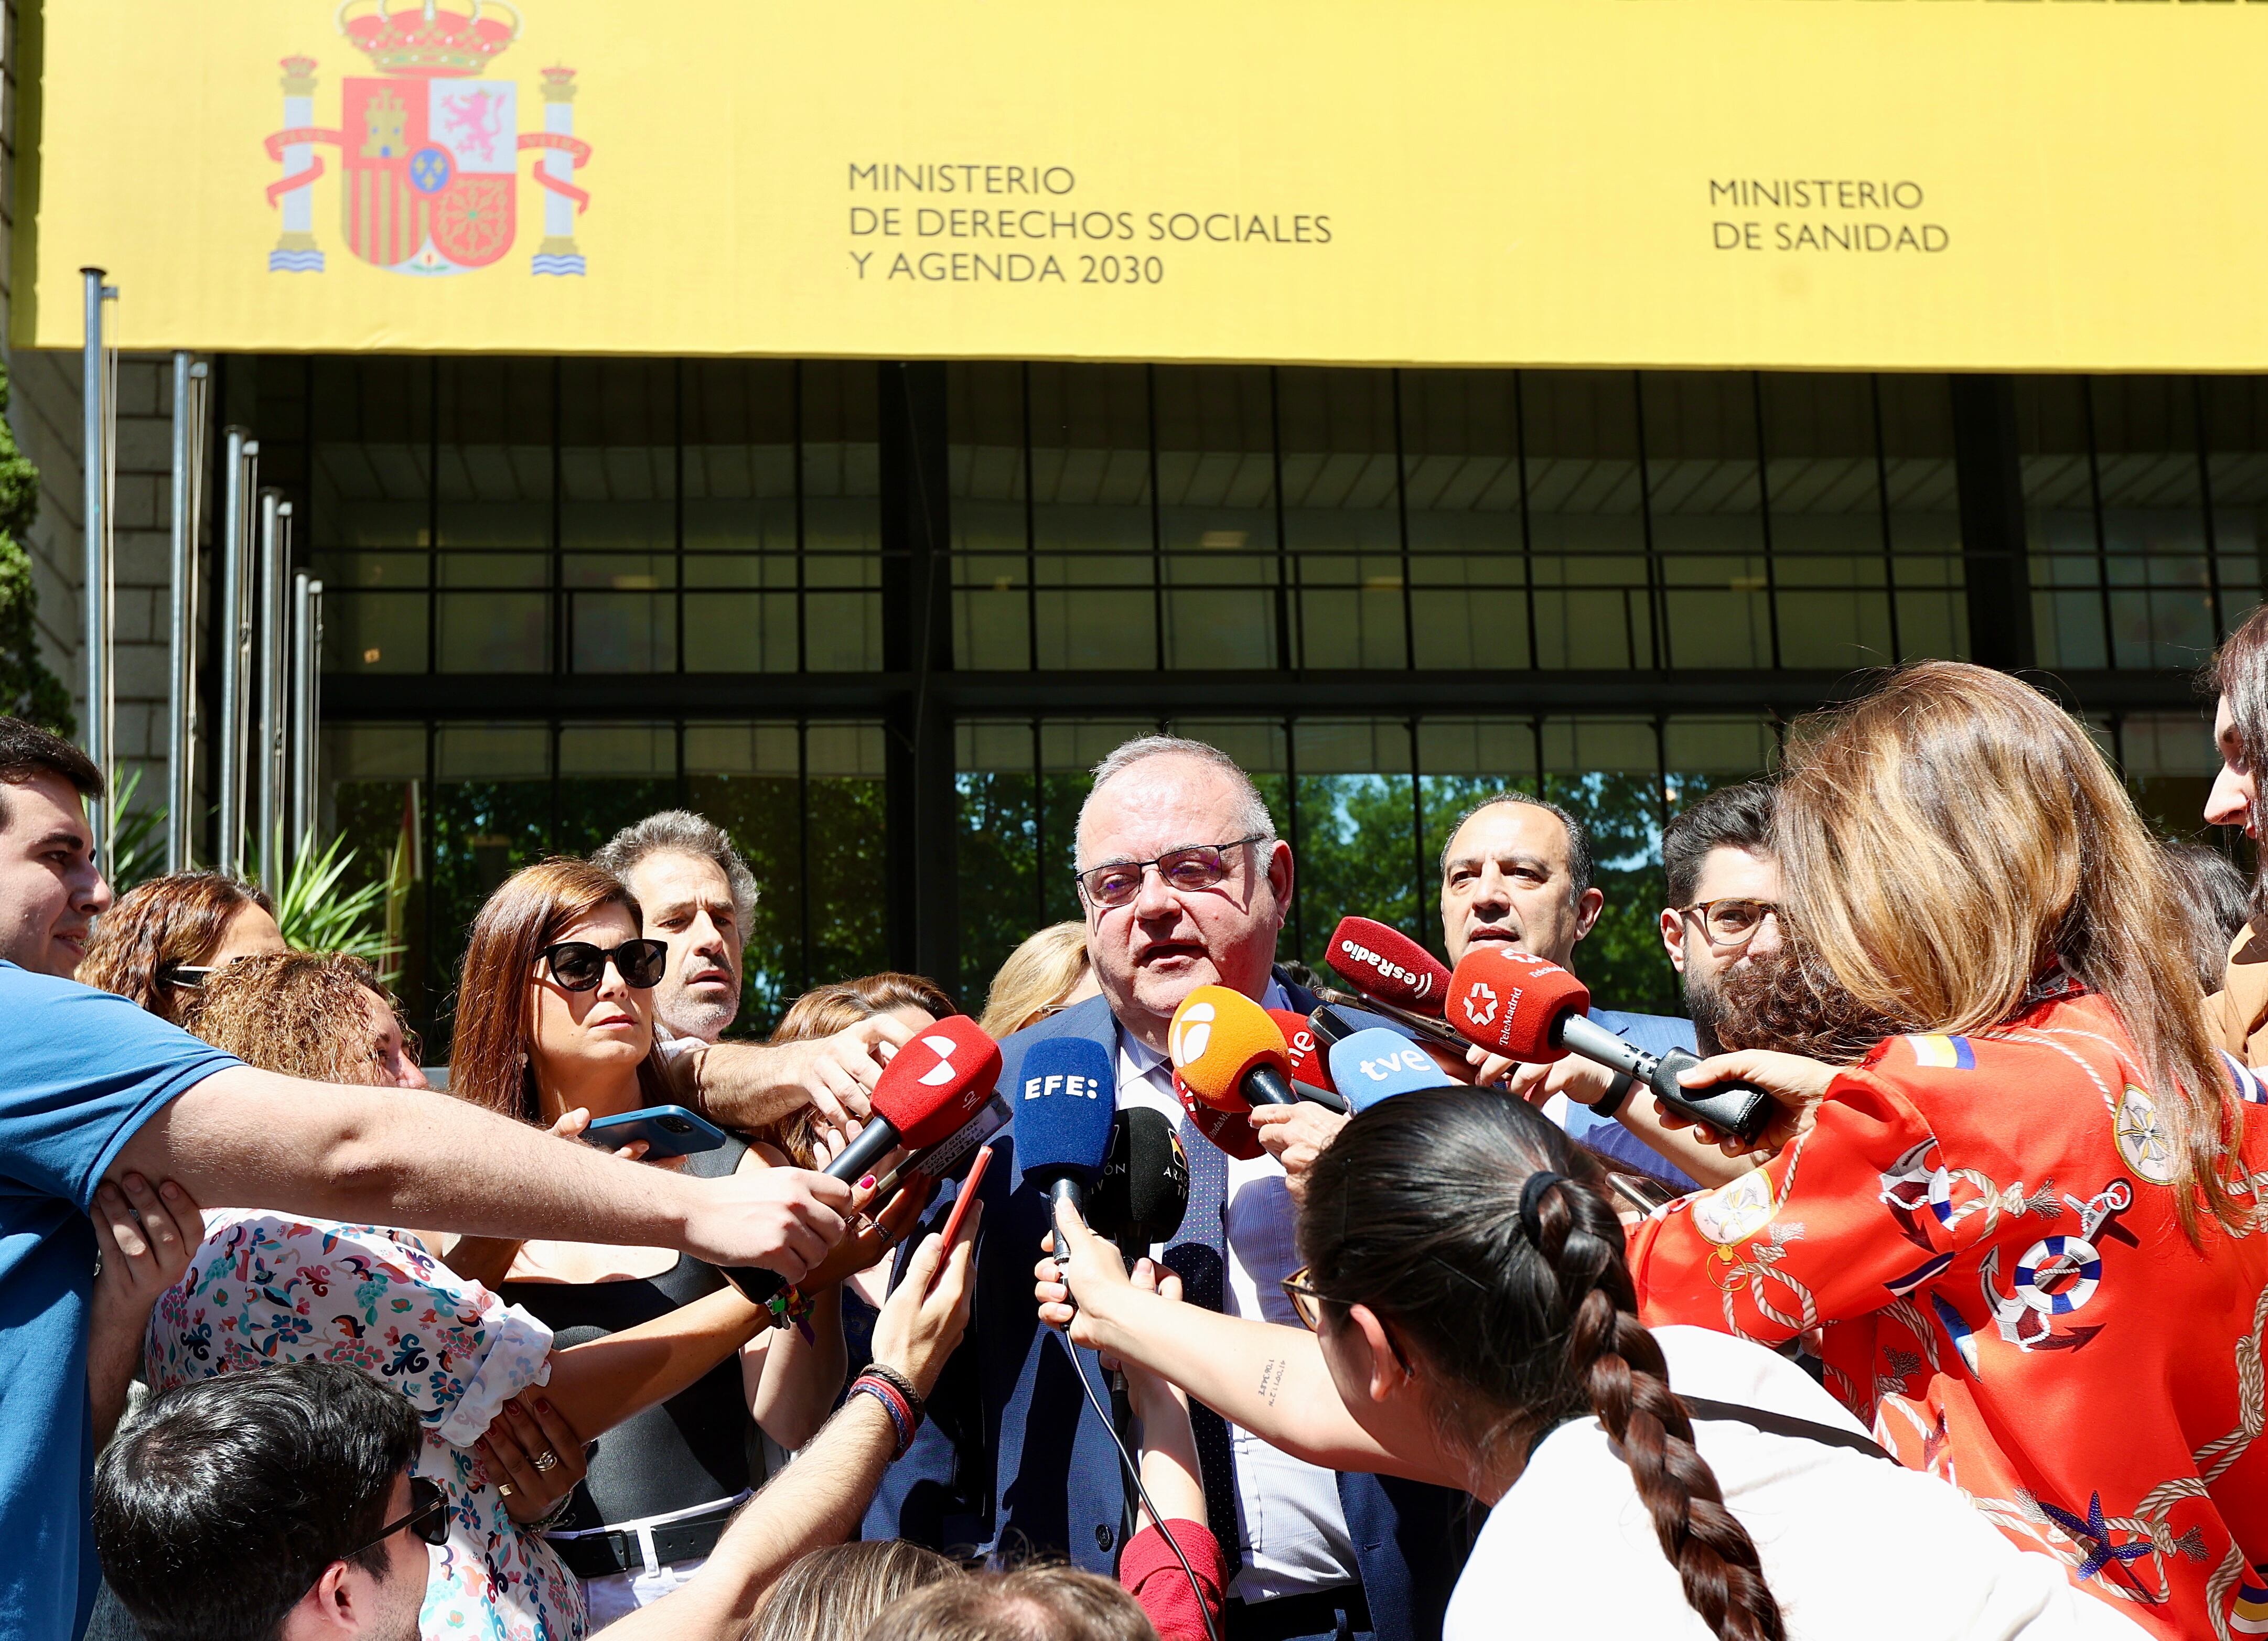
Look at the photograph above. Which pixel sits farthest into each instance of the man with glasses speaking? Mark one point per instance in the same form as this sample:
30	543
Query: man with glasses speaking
1184	884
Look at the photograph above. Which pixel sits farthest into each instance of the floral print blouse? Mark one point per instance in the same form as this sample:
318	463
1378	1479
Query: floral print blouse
267	1287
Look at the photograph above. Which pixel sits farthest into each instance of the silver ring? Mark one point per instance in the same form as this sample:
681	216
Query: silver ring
547	1459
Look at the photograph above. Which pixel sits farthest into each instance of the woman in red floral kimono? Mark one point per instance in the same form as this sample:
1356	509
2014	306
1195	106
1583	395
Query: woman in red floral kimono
2031	1228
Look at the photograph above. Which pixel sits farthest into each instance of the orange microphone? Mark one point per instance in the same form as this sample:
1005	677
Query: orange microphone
1228	1051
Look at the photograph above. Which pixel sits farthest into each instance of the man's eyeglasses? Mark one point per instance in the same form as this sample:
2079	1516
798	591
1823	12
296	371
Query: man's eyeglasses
428	1518
1731	922
1199	866
578	966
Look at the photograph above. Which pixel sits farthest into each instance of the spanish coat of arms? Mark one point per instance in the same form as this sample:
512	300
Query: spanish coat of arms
430	152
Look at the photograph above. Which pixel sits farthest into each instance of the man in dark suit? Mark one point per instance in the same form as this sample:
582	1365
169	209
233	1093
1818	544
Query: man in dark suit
1184	884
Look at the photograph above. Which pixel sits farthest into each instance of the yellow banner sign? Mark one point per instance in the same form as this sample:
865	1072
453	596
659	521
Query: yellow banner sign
1688	182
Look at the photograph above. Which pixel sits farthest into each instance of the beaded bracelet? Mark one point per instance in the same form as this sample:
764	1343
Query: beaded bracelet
901	1417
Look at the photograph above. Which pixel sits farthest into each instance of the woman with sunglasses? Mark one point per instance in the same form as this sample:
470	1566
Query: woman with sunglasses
554	1026
1473	1324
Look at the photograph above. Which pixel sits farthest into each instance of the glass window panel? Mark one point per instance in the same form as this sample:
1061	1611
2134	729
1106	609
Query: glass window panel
843	518
2169	763
740	516
1359	846
850	840
618	493
491	814
1216	517
1342	515
1705	490
985	457
745	777
1922	492
1586	524
998	852
2166	584
1608	772
494	494
1832	562
1467	546
1092	525
370	485
2236	437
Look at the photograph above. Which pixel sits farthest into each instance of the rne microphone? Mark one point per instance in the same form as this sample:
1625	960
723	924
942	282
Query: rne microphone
1377	1065
1311	1073
1230	1132
1228	1051
1144	1192
1517	1004
930	1089
1386	966
1065	1100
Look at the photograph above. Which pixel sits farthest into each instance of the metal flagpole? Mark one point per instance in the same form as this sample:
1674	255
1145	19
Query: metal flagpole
95	605
271	651
189	382
307	683
236	534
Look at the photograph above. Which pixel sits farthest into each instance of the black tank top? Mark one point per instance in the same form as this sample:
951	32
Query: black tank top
700	1444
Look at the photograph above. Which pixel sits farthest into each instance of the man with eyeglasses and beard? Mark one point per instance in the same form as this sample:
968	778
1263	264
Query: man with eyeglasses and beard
275	1503
1184	884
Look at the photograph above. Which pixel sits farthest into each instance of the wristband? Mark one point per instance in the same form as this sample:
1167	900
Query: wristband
1609	1105
898	1382
901	1418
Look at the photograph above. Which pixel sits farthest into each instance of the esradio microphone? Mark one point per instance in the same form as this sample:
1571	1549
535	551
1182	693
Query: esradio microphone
1517	1005
1064	1101
1386	966
930	1088
1228	1051
1377	1065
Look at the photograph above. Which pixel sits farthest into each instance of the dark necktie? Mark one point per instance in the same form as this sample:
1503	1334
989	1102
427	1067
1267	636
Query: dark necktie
1199	1256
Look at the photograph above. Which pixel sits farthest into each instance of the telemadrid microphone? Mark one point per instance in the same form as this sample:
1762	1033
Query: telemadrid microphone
1386	966
1311	1073
1144	1188
1228	1051
1064	1101
928	1090
1378	1064
1517	1004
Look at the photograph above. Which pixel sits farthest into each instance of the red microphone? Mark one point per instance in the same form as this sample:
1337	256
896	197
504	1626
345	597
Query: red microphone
934	1085
1311	1066
1231	1130
1386	966
1522	1007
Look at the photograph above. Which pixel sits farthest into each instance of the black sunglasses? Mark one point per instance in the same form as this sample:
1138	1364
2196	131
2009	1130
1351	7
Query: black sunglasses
428	1518
578	966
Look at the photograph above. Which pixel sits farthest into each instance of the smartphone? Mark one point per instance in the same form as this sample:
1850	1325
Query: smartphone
960	1202
667	1131
1639	1192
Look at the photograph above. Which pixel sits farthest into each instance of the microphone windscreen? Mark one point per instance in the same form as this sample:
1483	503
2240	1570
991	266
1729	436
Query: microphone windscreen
938	1081
1377	1065
1064	1097
1511	1002
1218	1035
1386	964
1231	1131
1309	1064
1144	1188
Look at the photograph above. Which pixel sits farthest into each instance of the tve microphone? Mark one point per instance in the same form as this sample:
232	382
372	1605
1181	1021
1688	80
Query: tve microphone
1230	1132
1516	1004
1378	1064
1386	966
932	1087
1228	1051
1064	1098
1311	1074
1144	1188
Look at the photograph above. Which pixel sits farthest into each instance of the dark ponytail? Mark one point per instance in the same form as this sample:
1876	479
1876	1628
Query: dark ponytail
1522	1309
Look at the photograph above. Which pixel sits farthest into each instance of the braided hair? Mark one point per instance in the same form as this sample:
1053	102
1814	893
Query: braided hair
1476	1228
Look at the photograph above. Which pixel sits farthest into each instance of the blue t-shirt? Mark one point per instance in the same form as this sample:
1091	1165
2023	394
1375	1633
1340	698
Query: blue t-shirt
80	1073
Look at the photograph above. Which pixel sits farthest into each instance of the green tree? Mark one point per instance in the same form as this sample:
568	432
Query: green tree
27	689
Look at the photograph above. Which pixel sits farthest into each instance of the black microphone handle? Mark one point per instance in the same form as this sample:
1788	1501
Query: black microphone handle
758	1286
1265	1086
1734	1107
1323	1097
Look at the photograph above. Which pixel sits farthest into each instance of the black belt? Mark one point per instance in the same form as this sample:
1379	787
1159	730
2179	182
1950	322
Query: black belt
1316	1613
603	1555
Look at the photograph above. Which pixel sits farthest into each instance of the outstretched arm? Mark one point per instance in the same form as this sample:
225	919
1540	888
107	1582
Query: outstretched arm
1271	1380
747	1085
252	1139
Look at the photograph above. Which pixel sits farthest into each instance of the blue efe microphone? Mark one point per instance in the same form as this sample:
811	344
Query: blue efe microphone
1064	1101
1378	1064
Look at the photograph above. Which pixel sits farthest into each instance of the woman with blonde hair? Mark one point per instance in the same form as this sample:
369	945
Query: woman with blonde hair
156	944
1045	975
2019	1191
554	1025
833	1593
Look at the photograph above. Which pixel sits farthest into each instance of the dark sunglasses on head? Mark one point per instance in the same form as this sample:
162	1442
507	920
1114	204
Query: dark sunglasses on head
428	1518
578	966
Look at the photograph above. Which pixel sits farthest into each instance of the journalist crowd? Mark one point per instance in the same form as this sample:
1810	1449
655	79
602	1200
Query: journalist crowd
1911	1283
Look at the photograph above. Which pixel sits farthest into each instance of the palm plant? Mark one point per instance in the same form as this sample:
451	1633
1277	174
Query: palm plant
316	914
